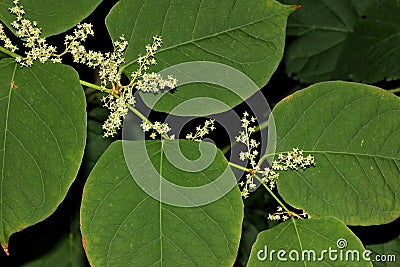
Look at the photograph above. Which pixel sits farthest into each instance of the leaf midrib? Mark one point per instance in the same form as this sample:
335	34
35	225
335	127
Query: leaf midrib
4	154
160	202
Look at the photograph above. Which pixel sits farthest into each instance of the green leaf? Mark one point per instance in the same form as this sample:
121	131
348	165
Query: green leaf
344	39
53	17
42	137
248	36
353	132
124	226
372	52
307	237
386	250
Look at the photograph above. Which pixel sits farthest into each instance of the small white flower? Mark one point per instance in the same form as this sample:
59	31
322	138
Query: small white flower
201	131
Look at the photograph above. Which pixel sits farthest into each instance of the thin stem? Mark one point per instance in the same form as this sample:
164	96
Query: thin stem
94	86
239	167
134	110
8	52
395	90
260	162
67	48
263	183
272	194
141	116
228	147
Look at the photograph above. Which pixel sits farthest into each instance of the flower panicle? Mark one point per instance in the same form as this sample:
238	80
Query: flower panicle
251	144
7	42
157	127
148	59
119	97
151	82
140	80
285	215
30	33
250	154
201	131
292	160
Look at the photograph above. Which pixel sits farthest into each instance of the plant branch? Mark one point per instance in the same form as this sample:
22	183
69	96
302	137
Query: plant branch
141	116
94	86
8	52
239	167
272	194
265	186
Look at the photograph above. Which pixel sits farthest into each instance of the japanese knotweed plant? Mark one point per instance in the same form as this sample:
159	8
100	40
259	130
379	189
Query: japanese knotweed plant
171	201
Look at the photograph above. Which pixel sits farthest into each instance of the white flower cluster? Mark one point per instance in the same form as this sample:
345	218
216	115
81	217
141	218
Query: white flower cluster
251	144
7	42
280	214
201	131
140	80
107	63
250	154
73	44
293	160
158	128
120	96
148	59
269	177
30	34
153	82
118	107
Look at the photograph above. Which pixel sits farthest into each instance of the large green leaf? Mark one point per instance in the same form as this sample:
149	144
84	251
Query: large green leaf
344	39
42	137
353	132
301	239
372	52
52	16
246	35
124	226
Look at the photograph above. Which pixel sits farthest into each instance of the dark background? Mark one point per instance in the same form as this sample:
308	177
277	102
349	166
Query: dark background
35	241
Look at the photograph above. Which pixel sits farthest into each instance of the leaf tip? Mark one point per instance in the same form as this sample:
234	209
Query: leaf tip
5	248
298	7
